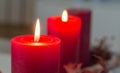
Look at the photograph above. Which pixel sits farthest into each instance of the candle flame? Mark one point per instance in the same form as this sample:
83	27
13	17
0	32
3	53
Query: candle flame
65	16
37	31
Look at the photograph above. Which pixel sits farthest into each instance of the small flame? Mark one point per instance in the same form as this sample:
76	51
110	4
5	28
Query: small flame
65	16
37	31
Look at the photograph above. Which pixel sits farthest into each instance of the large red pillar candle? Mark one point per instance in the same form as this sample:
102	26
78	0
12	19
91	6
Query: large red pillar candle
69	32
30	56
85	15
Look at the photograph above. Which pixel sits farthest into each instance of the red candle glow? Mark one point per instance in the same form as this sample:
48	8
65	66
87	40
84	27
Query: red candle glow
31	55
67	28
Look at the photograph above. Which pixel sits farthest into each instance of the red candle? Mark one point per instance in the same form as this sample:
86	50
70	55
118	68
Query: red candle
85	15
31	55
68	30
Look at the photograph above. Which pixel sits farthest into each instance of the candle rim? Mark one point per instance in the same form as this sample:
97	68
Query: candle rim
69	17
56	40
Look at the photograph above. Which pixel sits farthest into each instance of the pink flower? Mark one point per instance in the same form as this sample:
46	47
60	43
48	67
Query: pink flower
73	68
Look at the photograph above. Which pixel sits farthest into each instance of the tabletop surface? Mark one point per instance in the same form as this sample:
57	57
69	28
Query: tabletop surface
5	63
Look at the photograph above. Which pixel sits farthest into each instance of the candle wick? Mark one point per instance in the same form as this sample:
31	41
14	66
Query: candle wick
35	41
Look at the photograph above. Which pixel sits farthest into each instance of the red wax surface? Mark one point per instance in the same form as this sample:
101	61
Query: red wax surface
31	57
85	15
69	33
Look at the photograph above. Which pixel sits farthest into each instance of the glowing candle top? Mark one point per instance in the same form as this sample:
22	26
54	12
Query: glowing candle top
65	16
37	31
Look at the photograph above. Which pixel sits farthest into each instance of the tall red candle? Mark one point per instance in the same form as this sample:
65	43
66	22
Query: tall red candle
85	15
35	56
68	30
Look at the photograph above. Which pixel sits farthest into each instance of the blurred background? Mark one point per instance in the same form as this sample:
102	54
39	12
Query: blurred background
17	18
